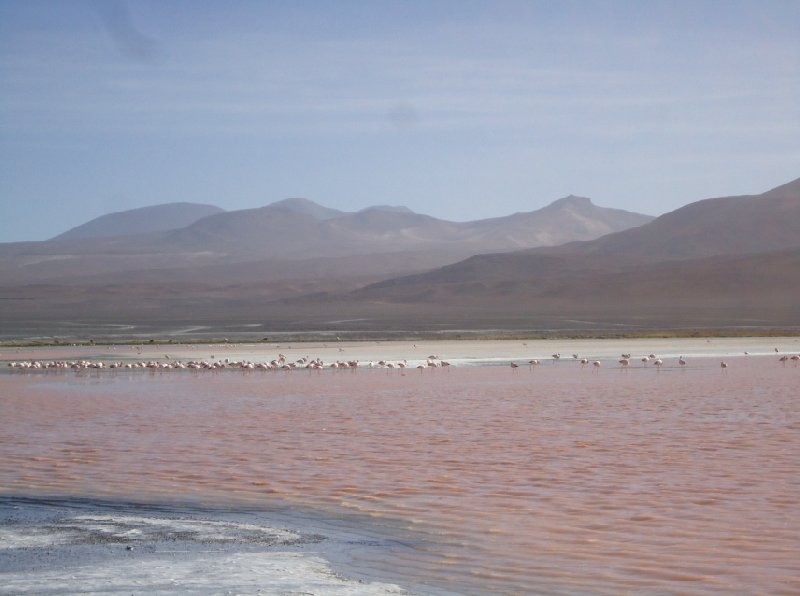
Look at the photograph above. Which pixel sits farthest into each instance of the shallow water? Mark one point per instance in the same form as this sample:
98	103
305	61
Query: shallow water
560	479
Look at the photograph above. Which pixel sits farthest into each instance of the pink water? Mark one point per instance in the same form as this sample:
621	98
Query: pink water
558	480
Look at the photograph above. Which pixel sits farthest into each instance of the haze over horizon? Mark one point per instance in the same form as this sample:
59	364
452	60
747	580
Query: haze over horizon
459	110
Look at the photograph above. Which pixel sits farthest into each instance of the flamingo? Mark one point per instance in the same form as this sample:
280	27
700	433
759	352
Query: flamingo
596	365
659	363
724	366
681	361
624	362
514	366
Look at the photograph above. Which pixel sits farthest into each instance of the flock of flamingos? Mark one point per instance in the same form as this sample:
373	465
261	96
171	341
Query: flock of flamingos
279	363
306	363
625	361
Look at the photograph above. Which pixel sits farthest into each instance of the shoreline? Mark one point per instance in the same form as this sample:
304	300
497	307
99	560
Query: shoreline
407	354
64	544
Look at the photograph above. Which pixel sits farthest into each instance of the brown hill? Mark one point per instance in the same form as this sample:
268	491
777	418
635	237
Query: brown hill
713	227
743	292
720	226
738	256
561	283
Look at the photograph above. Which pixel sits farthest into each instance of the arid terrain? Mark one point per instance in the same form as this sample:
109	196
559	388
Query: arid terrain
730	263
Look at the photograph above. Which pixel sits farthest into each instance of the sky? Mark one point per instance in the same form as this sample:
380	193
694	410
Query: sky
458	109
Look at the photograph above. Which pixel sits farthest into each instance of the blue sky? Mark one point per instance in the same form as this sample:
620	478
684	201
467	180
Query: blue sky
457	109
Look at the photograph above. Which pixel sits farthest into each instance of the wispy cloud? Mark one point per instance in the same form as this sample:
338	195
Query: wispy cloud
128	39
221	85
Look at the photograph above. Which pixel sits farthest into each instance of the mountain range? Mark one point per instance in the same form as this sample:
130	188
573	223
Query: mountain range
295	266
733	260
295	230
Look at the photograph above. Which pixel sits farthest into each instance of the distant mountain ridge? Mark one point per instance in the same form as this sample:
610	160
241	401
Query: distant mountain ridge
305	229
727	262
142	220
564	220
308	207
299	229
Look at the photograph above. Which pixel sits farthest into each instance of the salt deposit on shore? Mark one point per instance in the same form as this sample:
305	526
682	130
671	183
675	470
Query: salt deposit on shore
237	573
457	353
65	547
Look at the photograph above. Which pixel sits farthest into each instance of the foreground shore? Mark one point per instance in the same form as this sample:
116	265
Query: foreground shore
69	546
